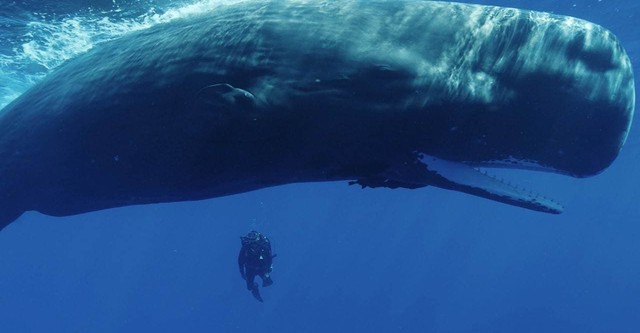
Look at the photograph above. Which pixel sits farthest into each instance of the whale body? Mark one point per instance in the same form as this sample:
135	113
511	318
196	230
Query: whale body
264	93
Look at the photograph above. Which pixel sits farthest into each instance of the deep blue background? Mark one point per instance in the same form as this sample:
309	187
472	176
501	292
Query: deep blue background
425	260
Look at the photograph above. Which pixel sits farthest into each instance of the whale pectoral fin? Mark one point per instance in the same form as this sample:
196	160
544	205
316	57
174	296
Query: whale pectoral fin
224	94
429	170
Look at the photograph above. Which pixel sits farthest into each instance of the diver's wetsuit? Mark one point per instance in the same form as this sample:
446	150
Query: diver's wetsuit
255	258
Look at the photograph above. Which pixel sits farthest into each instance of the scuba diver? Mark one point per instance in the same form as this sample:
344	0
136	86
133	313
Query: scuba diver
255	258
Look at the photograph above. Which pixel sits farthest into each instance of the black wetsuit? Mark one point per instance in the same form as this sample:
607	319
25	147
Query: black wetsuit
255	258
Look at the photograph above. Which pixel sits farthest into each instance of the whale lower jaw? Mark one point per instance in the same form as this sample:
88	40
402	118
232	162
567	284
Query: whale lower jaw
429	170
463	178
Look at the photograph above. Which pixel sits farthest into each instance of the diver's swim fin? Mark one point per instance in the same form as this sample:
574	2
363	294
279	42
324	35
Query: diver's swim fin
267	281
256	292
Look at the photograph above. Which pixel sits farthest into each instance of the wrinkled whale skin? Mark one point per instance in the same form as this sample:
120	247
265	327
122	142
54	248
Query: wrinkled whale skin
258	94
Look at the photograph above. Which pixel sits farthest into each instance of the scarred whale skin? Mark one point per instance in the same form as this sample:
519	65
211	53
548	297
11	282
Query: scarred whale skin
257	94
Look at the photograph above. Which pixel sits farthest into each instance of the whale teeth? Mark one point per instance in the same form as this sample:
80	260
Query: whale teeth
464	178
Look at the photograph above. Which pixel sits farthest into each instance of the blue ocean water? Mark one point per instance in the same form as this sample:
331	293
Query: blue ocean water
349	260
